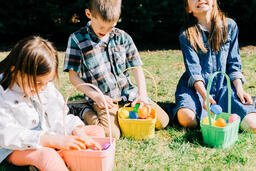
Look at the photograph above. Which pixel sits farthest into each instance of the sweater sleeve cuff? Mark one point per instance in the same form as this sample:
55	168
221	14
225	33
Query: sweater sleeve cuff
236	75
193	78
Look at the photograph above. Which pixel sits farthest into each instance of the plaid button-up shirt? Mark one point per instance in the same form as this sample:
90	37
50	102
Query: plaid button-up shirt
100	62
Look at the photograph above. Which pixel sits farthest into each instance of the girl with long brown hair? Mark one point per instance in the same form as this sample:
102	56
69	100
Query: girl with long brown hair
31	109
209	43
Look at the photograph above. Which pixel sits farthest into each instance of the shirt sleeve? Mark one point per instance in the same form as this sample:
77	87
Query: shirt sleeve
234	60
14	136
73	55
132	55
191	60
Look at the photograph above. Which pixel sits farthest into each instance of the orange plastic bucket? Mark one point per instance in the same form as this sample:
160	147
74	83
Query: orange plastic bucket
91	160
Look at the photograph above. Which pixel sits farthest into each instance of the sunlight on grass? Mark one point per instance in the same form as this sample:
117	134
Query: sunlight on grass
176	148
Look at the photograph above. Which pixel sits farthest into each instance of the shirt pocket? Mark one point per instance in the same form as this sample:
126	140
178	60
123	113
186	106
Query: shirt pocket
25	114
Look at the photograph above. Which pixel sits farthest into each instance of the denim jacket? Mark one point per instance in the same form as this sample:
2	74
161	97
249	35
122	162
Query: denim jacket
200	66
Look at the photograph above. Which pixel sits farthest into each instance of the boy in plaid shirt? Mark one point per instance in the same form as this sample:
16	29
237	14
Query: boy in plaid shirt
97	54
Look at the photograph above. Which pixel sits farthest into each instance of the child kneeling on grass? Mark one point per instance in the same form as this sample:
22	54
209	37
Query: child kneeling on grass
100	52
209	44
31	109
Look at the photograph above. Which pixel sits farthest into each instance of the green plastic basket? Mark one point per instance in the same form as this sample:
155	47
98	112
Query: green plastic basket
220	137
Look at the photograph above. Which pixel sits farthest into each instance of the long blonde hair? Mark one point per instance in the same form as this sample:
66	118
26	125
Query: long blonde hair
218	34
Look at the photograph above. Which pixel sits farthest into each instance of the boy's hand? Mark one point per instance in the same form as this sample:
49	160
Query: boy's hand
143	100
211	101
100	102
244	97
85	139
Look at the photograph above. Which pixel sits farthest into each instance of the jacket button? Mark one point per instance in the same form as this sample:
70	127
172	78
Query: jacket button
16	102
33	122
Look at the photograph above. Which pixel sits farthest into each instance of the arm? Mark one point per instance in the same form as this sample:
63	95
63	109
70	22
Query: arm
234	61
193	68
199	86
244	97
140	80
72	64
89	91
234	66
191	61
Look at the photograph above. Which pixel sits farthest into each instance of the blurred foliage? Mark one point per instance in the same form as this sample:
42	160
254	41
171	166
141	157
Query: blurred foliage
150	21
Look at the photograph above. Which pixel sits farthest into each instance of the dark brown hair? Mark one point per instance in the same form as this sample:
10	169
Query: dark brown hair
107	10
30	57
218	34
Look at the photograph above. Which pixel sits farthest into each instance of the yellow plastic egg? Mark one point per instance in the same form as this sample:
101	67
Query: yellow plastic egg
206	121
123	113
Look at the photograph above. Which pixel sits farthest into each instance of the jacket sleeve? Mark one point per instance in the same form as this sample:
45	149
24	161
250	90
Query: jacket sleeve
71	121
234	60
191	61
13	135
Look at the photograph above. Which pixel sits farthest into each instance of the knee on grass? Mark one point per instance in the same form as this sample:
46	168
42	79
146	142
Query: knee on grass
186	117
249	122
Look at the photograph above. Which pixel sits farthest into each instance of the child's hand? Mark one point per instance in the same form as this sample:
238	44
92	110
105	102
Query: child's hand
211	101
244	97
100	102
62	142
143	100
88	141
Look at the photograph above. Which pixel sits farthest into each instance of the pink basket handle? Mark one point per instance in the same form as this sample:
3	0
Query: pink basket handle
105	103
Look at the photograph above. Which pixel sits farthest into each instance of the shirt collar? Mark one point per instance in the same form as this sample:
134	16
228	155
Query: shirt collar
96	38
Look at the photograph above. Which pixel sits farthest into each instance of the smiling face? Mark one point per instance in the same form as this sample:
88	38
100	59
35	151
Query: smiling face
200	6
100	27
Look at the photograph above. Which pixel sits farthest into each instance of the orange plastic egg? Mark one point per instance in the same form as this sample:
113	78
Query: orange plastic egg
220	122
143	112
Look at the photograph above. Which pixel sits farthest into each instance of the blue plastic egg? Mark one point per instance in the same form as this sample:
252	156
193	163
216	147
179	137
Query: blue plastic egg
133	115
216	109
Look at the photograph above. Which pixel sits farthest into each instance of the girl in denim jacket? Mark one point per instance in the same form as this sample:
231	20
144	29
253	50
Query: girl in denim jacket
209	43
31	109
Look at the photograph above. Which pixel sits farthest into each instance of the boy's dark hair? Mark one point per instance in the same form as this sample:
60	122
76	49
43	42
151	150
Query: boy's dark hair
107	10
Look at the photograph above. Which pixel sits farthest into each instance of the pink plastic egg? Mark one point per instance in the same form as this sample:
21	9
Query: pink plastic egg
233	117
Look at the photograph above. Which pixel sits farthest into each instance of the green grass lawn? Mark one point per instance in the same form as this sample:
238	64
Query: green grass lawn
176	148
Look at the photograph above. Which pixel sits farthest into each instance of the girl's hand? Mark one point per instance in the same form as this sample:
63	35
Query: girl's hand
100	102
211	101
244	97
62	142
88	141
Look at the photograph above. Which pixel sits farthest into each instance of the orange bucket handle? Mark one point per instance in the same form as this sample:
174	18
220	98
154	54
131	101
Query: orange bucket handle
143	69
106	107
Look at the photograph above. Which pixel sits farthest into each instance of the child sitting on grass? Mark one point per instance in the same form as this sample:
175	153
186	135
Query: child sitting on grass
100	52
209	43
31	109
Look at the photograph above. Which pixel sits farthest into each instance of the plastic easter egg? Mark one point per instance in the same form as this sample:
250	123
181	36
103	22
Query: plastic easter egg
206	121
143	112
136	107
124	114
106	146
133	115
220	122
233	117
216	109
